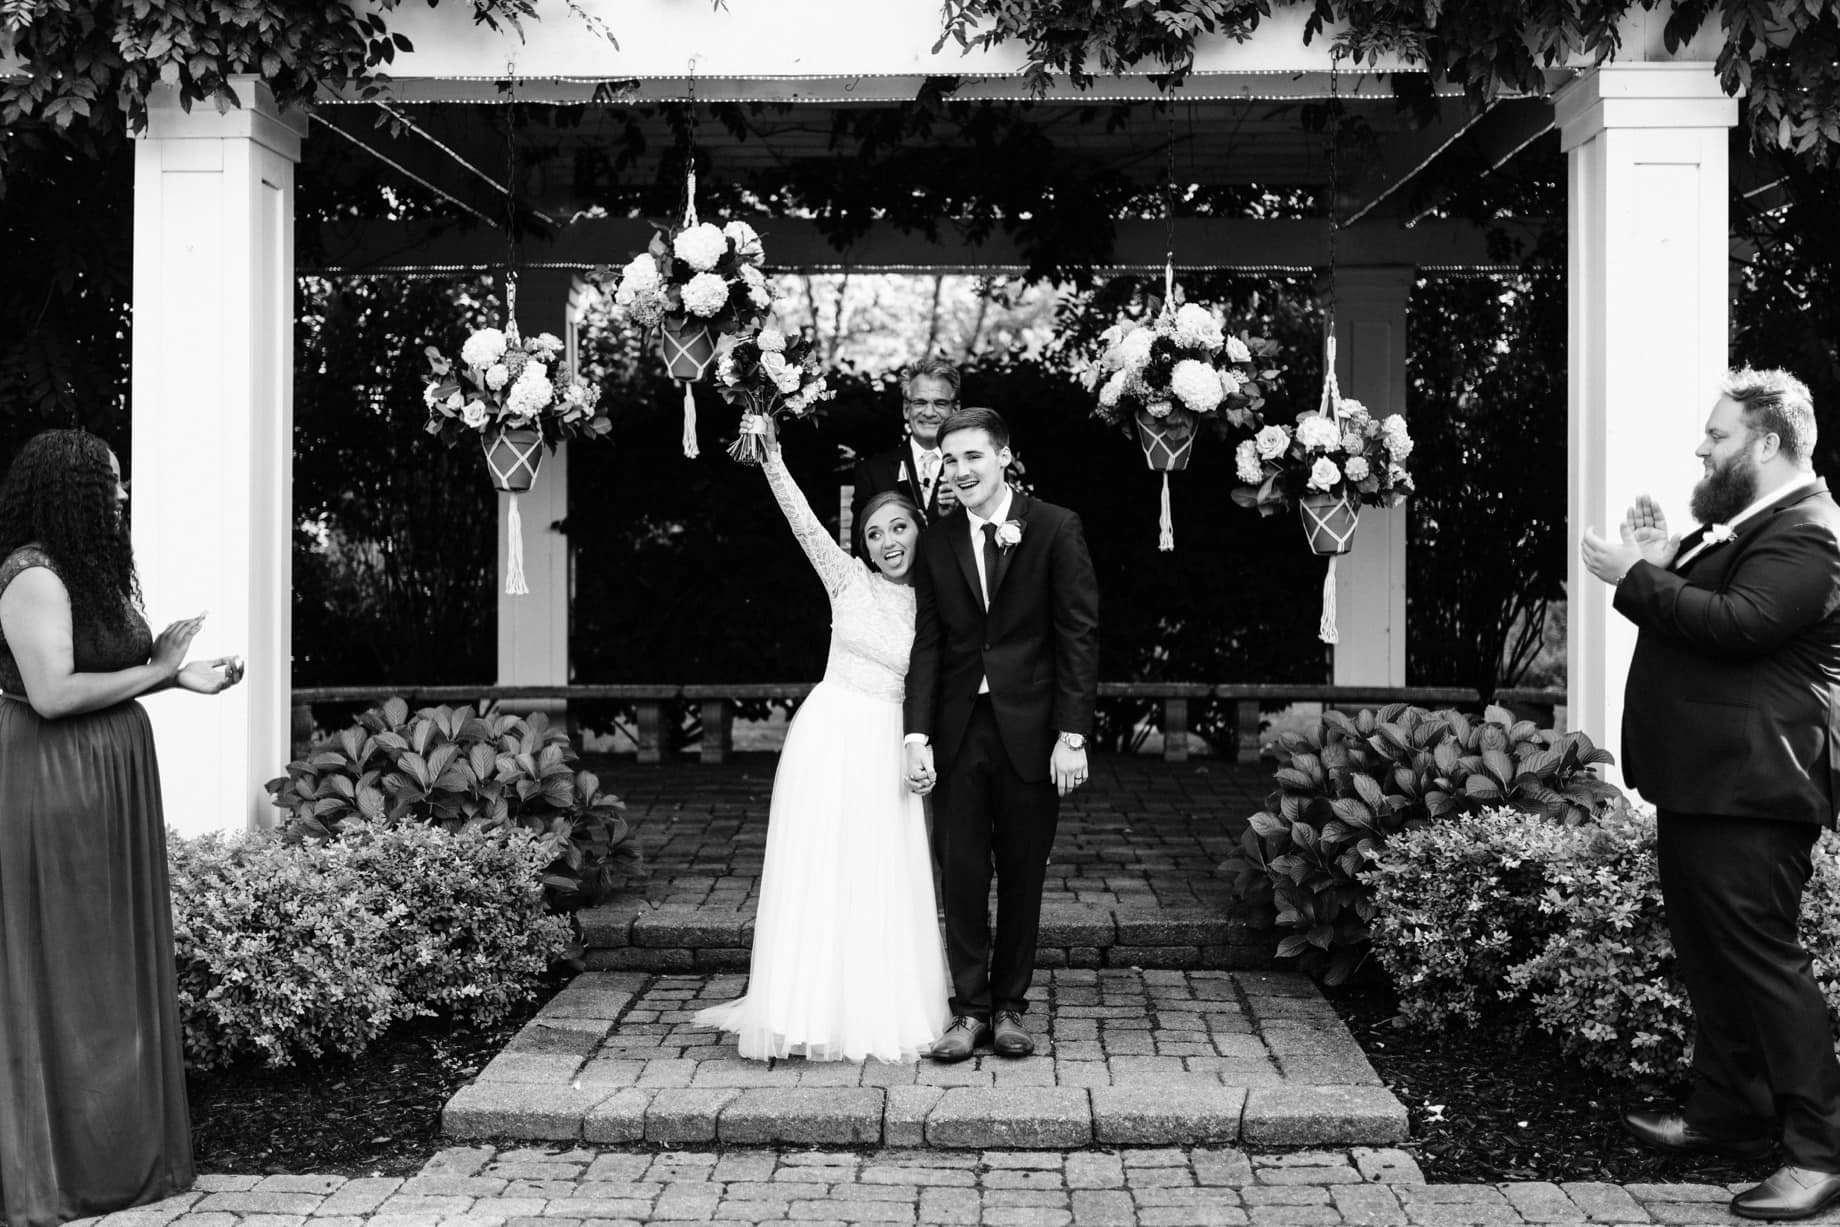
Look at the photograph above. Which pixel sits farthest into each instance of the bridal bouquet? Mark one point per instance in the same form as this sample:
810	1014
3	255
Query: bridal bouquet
703	273
1346	454
768	374
503	382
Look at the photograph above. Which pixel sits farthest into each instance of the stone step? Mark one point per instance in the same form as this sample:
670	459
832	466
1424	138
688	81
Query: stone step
1126	1058
641	936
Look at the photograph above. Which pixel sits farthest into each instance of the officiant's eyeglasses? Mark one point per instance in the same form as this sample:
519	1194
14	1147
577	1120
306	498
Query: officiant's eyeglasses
930	404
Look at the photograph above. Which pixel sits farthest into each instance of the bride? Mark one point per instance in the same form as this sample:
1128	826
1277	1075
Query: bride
847	962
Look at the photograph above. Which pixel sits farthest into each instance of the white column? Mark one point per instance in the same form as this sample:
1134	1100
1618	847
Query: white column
1649	318
533	629
213	420
1370	582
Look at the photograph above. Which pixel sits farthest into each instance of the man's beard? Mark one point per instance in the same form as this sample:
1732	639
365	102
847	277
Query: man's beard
1724	492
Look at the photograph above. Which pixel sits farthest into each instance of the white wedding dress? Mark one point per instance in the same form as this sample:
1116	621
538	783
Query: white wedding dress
847	960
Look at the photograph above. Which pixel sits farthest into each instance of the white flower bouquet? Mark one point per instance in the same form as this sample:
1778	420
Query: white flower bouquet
1344	454
766	375
704	273
503	382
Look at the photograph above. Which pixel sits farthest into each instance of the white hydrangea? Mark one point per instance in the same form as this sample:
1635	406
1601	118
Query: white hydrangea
1196	384
1196	326
547	342
1134	349
483	348
1113	388
771	341
455	401
1324	474
1318	432
1246	459
705	294
640	276
759	292
1398	442
1354	411
1356	468
702	246
497	375
746	241
474	414
1237	351
531	394
1271	442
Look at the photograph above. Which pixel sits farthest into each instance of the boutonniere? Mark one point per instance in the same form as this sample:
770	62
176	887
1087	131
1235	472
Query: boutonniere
1720	532
1009	534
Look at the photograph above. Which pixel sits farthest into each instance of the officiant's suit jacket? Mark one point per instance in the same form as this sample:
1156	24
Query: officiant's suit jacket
1733	700
889	470
1038	644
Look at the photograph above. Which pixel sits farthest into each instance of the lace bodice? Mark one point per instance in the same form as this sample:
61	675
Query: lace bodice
97	649
872	620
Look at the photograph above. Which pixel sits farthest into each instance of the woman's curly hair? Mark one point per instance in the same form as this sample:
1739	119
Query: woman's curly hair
60	494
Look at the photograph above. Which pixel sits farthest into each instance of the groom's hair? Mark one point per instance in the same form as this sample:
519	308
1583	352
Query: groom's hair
987	420
1773	402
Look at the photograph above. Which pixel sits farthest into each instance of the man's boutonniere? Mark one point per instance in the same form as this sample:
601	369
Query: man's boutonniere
1009	534
1720	532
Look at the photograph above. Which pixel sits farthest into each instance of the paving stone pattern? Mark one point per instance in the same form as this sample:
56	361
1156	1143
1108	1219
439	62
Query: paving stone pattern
1127	1057
579	1186
1134	880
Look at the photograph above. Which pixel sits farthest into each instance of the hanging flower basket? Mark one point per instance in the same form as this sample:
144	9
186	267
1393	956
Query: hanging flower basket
1167	441
513	456
1329	522
688	345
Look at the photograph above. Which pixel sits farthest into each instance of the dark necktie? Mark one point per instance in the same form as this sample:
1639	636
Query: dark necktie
990	563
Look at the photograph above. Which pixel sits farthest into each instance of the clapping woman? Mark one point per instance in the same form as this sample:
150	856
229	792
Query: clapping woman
92	1082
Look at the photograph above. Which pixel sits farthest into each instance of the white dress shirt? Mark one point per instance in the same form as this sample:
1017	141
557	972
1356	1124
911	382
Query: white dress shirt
917	465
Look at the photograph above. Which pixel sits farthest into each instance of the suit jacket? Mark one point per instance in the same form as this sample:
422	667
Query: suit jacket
1038	643
1733	701
889	470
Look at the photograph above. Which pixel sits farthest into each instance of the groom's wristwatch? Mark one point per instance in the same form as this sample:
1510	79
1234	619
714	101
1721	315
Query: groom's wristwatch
1073	741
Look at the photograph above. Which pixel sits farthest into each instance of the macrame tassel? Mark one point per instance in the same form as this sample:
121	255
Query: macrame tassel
1326	631
690	449
514	552
1166	537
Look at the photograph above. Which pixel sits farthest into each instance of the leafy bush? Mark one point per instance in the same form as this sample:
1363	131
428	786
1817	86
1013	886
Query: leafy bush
1496	912
293	950
464	770
1349	783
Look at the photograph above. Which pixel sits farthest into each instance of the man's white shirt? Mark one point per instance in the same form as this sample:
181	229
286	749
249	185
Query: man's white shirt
917	466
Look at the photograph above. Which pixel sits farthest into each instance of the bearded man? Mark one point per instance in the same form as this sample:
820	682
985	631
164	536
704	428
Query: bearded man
1730	721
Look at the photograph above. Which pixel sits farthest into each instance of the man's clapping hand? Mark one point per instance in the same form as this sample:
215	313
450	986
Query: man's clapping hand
1646	528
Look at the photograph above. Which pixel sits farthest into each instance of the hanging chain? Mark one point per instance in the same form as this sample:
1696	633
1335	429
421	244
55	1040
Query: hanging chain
1335	143
511	218
690	153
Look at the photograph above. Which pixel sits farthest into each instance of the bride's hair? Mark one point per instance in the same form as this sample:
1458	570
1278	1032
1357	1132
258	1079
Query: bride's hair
877	502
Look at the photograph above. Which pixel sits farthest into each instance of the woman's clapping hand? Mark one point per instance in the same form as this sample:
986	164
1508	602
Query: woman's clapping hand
210	676
170	648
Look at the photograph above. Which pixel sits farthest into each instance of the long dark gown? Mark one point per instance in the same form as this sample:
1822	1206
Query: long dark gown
92	1079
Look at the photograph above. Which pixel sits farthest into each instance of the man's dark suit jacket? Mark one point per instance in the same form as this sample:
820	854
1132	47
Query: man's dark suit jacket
1039	644
884	471
1733	700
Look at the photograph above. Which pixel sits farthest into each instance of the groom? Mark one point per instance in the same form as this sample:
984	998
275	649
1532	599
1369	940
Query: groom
1000	693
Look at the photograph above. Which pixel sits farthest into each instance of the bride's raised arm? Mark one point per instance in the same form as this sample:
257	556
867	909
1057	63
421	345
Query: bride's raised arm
832	563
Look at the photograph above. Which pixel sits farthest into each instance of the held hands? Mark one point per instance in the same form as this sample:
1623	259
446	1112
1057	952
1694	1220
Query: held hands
1068	767
920	777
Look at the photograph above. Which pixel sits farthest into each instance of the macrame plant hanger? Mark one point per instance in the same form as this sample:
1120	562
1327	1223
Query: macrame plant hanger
1157	450
1330	530
513	465
689	354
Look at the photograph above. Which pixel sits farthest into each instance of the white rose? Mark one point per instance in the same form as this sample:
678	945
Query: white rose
1356	468
746	241
455	401
496	375
1134	349
1246	459
1398	442
705	294
773	363
701	247
1324	475
531	394
1271	442
1317	432
1196	326
787	381
1197	385
640	276
474	414
771	341
547	342
483	348
1237	351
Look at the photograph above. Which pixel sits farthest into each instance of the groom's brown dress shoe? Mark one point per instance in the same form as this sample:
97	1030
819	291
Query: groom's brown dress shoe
1670	1131
1013	1039
962	1037
1791	1192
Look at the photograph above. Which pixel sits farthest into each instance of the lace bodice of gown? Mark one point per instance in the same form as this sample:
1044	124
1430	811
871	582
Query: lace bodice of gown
872	620
97	649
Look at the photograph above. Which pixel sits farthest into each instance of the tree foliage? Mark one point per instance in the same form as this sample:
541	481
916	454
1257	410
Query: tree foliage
1781	54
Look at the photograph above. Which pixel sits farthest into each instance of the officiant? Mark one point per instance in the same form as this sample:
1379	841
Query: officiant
929	395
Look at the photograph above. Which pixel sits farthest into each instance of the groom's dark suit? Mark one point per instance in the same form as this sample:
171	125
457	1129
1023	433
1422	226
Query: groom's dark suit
1730	721
1039	647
